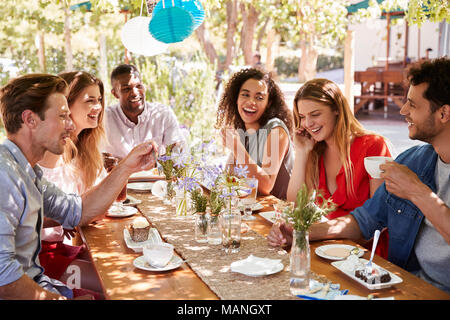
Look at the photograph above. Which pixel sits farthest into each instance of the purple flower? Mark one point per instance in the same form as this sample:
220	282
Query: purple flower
240	171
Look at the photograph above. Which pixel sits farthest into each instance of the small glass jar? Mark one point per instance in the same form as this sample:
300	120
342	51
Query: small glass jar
214	231
231	230
201	227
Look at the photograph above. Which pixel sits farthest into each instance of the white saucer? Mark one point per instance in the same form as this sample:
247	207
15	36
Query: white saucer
140	186
126	211
174	263
321	251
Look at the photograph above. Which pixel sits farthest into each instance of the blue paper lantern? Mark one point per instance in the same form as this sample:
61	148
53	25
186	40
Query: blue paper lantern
194	7
171	24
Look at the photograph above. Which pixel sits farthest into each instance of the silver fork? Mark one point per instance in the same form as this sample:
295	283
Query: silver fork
376	236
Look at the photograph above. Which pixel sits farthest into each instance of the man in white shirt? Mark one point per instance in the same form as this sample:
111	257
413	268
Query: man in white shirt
37	119
134	120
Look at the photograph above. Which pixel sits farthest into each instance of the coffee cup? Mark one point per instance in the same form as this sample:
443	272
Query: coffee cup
372	165
158	254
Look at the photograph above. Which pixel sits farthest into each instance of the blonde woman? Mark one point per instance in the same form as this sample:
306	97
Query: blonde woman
81	165
330	146
76	171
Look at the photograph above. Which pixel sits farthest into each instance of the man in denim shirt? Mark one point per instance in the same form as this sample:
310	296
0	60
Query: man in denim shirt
37	119
414	201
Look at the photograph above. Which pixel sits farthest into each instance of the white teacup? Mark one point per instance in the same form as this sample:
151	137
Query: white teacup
158	254
372	165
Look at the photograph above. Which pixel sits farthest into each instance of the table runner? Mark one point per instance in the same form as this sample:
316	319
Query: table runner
211	263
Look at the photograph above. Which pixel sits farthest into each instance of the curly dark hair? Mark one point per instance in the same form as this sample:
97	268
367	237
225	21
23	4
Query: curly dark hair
227	112
436	73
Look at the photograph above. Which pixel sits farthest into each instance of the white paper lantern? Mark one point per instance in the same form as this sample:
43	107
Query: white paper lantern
136	38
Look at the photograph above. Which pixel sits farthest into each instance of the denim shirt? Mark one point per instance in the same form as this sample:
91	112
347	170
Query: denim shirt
400	216
25	199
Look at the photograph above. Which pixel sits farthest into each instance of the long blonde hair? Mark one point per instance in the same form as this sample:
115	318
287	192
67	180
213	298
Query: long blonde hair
83	152
347	128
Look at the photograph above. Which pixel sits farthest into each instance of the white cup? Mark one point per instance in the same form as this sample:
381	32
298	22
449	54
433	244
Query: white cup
158	254
372	165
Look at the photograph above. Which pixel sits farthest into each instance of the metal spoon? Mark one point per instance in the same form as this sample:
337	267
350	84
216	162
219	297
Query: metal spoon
376	236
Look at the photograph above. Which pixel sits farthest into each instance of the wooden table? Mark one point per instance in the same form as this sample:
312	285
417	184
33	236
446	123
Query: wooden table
113	261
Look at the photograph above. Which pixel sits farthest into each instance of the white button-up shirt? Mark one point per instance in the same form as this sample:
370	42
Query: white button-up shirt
157	122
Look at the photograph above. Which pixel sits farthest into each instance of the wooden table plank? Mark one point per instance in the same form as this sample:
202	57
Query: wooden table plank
121	280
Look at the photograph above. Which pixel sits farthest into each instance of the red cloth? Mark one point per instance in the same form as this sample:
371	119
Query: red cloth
56	256
364	146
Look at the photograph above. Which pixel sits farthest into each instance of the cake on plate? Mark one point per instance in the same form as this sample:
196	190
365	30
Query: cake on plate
377	275
139	229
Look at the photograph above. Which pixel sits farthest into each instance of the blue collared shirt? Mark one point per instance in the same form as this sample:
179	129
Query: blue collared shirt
401	216
25	199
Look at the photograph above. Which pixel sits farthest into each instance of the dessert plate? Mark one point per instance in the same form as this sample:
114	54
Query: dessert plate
131	201
153	237
268	215
121	212
255	267
336	251
140	186
145	175
257	206
351	273
174	263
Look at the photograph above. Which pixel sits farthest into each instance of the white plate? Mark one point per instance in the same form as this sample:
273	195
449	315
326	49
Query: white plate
132	201
394	278
125	211
257	206
153	237
174	263
145	175
140	186
256	267
268	215
321	251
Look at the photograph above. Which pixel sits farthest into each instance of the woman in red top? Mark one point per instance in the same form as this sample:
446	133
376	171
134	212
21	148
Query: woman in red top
330	147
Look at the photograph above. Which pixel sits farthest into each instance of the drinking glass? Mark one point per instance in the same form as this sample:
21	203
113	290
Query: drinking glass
249	199
280	207
231	230
109	162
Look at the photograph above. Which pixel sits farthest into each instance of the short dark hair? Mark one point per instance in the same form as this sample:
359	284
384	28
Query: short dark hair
124	69
436	73
28	92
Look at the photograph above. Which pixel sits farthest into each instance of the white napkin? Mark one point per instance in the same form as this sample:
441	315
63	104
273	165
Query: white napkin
255	266
159	188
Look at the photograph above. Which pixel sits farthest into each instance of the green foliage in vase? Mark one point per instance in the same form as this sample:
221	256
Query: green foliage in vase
307	210
199	200
216	202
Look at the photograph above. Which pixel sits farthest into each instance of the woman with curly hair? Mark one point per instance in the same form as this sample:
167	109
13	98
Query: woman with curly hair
76	171
255	125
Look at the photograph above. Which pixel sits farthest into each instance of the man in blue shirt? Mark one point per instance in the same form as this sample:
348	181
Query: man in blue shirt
414	200
37	119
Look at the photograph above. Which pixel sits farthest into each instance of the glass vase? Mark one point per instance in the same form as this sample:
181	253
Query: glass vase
182	202
170	192
300	263
231	230
214	231
201	227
